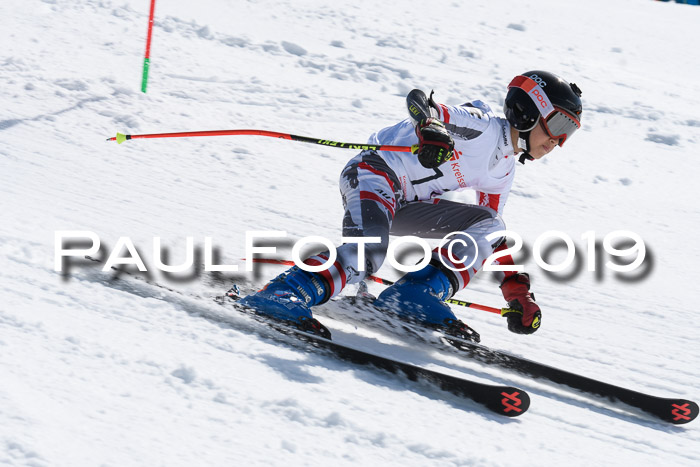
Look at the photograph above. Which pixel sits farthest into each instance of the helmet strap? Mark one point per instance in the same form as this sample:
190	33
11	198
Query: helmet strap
524	142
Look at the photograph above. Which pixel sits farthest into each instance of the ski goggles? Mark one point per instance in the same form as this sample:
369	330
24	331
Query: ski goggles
557	122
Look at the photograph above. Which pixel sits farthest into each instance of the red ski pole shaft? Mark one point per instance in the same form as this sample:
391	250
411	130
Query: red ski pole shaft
476	306
120	138
147	55
463	303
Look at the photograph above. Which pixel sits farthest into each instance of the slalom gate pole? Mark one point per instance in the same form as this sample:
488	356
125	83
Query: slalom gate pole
120	138
476	306
147	56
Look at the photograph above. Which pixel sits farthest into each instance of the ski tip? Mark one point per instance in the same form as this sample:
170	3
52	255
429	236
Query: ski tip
681	411
511	402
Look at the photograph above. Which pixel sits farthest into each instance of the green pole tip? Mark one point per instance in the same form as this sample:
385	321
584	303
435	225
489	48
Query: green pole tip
120	138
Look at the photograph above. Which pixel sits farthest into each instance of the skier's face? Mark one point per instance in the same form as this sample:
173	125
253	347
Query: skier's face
540	142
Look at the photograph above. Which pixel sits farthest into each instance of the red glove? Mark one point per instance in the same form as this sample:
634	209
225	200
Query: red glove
524	316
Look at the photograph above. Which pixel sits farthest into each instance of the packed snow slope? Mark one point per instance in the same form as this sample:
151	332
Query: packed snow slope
95	371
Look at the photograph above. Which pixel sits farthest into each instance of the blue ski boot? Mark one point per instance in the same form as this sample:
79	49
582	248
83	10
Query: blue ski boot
421	296
289	297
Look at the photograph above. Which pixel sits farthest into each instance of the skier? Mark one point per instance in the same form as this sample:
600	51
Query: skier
396	193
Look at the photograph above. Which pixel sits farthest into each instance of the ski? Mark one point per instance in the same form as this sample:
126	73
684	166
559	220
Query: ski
673	410
503	400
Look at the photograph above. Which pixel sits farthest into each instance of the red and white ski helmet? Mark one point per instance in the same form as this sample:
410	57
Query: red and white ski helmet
537	96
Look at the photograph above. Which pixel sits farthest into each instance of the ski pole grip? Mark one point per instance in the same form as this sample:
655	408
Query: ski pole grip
419	107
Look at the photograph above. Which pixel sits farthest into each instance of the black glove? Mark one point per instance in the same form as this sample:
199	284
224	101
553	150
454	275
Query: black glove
435	145
523	315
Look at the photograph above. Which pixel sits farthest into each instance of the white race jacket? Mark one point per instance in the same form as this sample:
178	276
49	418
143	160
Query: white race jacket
484	157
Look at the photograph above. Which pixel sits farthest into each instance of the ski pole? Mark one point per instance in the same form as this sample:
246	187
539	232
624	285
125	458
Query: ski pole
120	138
147	55
476	306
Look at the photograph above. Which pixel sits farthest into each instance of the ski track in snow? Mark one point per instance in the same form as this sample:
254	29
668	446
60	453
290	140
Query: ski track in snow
96	371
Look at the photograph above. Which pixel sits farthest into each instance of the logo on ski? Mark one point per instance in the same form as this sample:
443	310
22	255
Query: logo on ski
508	398
681	416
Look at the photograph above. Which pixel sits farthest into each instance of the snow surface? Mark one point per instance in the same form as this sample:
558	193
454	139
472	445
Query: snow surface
95	371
